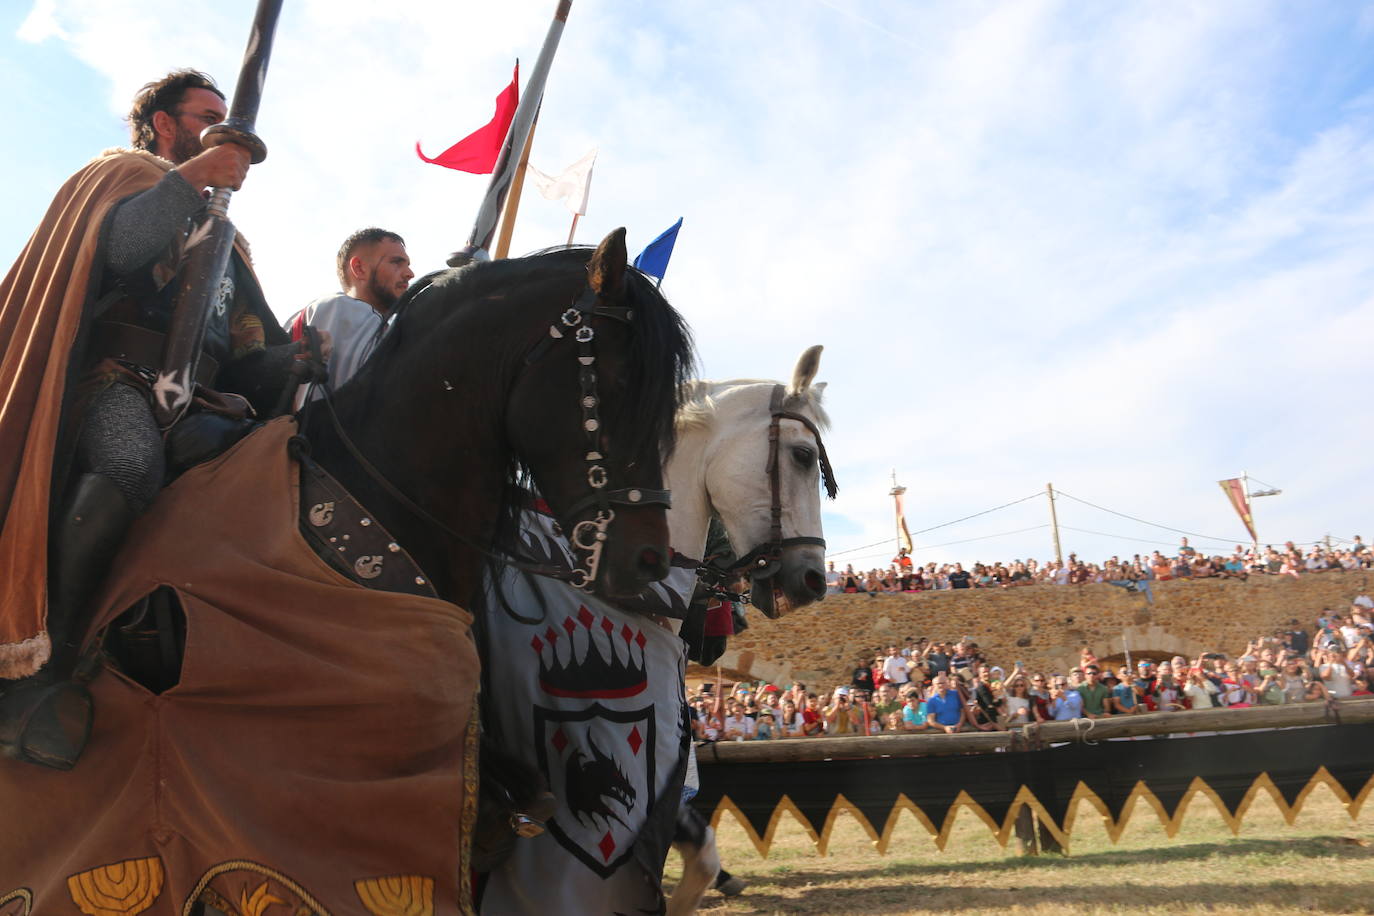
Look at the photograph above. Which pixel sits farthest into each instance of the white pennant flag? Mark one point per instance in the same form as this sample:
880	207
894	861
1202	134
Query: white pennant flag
571	187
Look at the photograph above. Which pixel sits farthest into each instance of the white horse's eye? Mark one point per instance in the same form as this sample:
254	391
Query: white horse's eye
804	455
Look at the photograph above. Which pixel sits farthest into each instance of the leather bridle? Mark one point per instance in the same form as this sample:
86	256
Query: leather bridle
589	536
765	560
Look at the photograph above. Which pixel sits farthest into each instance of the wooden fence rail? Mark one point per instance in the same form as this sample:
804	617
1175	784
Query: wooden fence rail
1347	712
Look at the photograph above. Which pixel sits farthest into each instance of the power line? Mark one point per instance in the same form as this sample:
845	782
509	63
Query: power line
984	537
892	539
1205	537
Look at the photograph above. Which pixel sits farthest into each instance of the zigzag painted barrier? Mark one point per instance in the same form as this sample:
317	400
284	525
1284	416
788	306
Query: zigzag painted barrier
1284	751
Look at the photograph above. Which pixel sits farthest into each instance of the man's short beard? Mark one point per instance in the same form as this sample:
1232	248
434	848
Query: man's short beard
382	296
186	146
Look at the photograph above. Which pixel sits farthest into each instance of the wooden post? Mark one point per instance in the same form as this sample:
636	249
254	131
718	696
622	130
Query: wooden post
513	199
1048	843
1054	525
1025	832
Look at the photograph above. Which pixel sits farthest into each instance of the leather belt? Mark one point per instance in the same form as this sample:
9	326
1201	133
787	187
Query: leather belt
133	344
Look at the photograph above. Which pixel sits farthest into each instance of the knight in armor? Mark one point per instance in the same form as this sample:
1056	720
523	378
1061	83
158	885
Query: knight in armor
83	313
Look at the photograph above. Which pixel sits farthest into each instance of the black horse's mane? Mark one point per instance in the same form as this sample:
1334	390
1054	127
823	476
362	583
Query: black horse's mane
661	358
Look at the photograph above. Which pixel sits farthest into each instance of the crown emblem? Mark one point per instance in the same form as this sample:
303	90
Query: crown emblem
579	667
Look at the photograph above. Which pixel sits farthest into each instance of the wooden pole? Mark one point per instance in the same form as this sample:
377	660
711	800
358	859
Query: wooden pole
1054	525
513	199
572	229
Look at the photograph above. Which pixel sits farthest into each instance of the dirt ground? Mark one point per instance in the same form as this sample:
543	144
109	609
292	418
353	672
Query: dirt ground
1324	863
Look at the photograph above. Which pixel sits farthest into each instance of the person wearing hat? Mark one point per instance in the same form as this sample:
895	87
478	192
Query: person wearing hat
841	718
1123	698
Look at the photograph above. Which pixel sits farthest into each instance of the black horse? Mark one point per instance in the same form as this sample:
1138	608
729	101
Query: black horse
319	735
562	368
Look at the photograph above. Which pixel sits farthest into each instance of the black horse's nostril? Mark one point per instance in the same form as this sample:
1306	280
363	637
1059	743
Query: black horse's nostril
652	563
815	582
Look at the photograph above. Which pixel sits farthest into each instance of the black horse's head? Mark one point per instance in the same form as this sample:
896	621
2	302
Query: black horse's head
591	413
562	368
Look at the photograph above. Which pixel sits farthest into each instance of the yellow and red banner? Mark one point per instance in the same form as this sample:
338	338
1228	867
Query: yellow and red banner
903	536
1240	501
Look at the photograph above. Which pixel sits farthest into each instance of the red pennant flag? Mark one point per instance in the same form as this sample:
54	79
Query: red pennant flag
478	151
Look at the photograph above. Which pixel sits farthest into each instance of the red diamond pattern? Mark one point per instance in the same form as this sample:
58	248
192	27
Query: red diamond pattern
559	740
537	644
569	624
634	740
626	633
639	639
585	616
551	636
607	846
607	625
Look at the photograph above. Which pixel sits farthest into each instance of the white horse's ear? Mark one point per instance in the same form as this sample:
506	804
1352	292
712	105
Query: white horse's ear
807	367
816	390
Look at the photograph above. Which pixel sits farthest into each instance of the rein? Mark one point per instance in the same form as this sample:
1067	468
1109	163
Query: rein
765	560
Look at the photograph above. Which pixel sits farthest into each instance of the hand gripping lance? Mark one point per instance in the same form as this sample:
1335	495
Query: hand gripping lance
211	242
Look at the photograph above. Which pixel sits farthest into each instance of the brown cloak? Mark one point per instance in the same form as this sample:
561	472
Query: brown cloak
42	301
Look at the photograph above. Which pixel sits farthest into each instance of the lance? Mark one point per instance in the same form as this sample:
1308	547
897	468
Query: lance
210	243
479	242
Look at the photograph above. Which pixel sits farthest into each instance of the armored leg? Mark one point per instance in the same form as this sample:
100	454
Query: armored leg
46	718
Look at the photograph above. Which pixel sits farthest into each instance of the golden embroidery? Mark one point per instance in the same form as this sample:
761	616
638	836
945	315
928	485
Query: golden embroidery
256	903
18	902
397	895
121	889
470	787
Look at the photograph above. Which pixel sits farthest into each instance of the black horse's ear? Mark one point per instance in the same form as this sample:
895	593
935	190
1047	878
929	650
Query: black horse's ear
606	270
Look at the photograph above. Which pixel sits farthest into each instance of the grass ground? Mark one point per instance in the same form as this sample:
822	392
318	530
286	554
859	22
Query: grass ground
1324	863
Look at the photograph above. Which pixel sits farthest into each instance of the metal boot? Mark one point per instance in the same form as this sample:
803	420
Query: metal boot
46	718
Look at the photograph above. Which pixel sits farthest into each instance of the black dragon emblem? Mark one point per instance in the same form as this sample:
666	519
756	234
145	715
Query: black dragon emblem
588	782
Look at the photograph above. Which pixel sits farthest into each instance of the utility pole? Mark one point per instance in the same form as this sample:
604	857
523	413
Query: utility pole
1054	525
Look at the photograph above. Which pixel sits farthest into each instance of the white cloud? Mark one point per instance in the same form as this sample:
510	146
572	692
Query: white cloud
1123	247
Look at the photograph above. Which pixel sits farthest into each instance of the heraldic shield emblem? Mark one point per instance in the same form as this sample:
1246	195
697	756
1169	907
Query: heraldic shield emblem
595	745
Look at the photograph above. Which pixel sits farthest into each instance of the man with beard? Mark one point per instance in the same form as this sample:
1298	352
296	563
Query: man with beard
84	311
374	270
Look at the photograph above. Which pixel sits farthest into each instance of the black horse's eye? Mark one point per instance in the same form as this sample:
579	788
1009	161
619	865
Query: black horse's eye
804	455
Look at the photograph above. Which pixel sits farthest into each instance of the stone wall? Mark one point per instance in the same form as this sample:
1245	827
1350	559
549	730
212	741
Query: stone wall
1043	625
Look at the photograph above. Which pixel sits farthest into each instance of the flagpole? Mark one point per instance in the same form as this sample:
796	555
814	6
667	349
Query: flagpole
485	226
517	186
572	228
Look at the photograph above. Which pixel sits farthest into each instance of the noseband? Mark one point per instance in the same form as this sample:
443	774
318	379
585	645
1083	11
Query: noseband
589	536
765	560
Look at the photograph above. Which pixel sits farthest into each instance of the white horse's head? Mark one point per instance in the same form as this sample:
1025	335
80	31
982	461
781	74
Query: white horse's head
787	570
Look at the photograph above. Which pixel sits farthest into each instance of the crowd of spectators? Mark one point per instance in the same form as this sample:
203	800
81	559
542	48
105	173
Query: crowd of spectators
943	686
903	575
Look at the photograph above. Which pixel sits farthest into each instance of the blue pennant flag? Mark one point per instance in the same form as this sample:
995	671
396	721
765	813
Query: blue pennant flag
653	260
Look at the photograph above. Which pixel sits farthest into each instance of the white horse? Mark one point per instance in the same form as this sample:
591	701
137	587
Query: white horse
603	686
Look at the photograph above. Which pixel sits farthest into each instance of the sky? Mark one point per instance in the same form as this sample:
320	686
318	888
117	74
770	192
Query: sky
1124	248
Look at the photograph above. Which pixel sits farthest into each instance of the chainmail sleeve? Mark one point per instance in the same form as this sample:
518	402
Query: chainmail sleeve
144	225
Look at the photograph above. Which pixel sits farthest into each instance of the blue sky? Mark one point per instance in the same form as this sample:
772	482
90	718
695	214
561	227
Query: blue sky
1121	247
